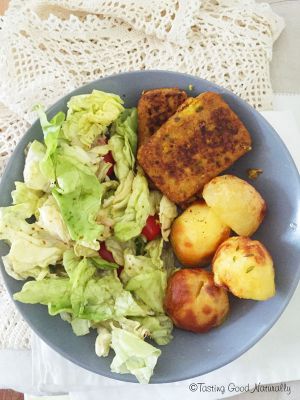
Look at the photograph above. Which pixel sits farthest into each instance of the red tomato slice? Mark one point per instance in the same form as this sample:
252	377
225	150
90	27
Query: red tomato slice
105	254
152	228
108	158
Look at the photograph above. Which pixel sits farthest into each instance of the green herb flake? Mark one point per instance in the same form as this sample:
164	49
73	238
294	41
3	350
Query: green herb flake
253	173
249	269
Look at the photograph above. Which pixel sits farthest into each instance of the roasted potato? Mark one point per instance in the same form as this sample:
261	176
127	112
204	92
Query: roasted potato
236	203
196	234
245	267
193	302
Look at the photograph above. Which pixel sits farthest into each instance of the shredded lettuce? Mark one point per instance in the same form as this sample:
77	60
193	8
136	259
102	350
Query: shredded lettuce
133	355
103	342
137	265
155	199
50	219
116	247
150	287
167	214
123	142
89	115
52	132
126	305
137	211
54	293
33	177
32	248
159	328
146	276
119	201
66	206
78	196
25	195
103	264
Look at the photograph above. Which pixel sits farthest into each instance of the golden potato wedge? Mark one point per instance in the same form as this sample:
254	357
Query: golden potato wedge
193	302
236	202
245	267
196	234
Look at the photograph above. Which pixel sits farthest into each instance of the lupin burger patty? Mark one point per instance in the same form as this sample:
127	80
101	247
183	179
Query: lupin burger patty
155	107
202	139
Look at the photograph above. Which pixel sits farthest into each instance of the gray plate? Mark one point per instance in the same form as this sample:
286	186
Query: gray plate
189	354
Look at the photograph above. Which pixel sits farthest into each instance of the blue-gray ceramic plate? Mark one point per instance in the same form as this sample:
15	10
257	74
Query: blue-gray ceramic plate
189	354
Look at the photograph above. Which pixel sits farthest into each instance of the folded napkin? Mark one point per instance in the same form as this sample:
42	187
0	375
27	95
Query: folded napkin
274	358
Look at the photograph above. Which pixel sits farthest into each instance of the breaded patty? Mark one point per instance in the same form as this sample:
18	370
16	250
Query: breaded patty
196	144
155	108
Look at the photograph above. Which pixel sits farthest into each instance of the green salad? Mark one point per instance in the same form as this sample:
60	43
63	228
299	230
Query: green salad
83	226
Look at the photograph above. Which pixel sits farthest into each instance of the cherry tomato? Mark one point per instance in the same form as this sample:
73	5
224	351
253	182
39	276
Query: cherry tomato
152	228
108	158
105	254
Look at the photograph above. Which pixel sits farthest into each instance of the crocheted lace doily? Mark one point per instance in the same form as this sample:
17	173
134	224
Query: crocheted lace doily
50	47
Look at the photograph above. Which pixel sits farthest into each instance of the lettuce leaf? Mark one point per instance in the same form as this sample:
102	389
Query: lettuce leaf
103	264
52	132
76	154
123	142
82	274
99	298
150	287
25	195
78	196
117	248
167	214
89	115
136	265
159	328
146	275
33	177
50	219
125	305
119	201
155	198
80	326
103	342
137	211
133	355
55	293
32	248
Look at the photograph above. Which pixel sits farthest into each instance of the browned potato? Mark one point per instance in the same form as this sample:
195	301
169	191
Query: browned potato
245	267
196	234
236	203
193	302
